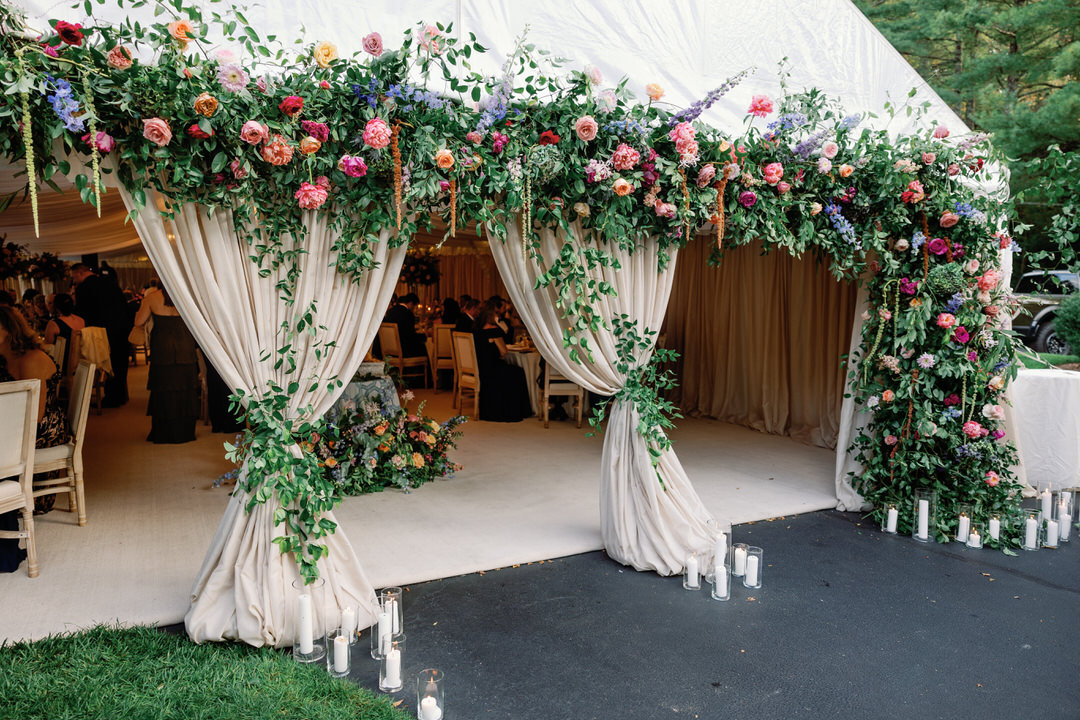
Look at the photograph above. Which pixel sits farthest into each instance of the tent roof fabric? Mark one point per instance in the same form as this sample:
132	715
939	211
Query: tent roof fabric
689	47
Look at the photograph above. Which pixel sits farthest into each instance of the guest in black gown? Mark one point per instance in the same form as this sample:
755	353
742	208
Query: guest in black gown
99	301
174	372
504	396
401	314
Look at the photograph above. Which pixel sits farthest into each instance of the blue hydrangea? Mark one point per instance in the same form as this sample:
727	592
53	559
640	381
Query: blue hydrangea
621	127
851	121
954	303
840	223
917	240
64	104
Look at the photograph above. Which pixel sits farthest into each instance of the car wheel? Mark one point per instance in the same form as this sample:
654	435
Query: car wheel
1048	341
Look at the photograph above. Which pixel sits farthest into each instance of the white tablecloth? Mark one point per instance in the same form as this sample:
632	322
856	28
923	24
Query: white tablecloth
1047	404
530	362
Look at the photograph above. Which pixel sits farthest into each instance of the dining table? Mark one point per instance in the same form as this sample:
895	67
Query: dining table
527	358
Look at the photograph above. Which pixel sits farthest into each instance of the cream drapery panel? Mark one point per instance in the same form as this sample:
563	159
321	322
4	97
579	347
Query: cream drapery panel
651	517
244	588
761	339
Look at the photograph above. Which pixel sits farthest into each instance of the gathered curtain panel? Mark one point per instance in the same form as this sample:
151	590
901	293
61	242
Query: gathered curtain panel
243	590
651	517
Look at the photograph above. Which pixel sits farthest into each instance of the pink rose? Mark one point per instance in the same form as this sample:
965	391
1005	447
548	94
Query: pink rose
747	198
593	73
938	246
928	158
682	131
891	440
104	141
311	197
119	57
940	132
666	210
586	128
946	320
352	166
373	44
625	157
973	429
830	149
474	137
324	84
254	132
377	133
157	131
993	412
706	175
948	219
992	478
989	280
239	171
953	170
760	106
773	172
429	39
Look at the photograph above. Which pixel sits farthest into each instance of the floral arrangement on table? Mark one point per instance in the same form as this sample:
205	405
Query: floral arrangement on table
367	448
15	262
421	267
46	266
273	133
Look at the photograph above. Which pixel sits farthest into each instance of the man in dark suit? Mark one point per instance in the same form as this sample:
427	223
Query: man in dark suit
100	302
470	308
402	315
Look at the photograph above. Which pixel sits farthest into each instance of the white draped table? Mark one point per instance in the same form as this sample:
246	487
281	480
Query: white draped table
1047	404
530	362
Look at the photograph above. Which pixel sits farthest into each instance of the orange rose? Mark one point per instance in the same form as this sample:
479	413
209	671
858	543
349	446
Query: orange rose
444	159
383	447
181	31
206	104
622	187
309	145
654	91
277	151
325	53
888	396
418	460
846	170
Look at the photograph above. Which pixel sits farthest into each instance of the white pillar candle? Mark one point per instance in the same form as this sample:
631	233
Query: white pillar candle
890	522
1062	512
1064	527
303	622
964	528
721	575
752	570
720	551
1031	530
973	539
1044	497
395	614
1051	533
740	561
692	571
995	528
924	518
348	623
341	654
429	709
393	668
385	631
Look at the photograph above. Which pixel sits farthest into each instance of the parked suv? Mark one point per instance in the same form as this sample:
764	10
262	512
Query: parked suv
1039	294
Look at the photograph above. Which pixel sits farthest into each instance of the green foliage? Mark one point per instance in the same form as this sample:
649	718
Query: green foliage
144	673
1067	321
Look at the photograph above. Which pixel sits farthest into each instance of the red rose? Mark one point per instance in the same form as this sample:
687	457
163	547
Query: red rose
549	138
197	132
292	105
71	33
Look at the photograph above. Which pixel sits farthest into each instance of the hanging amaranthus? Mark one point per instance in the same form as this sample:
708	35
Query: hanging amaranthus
95	154
686	204
28	143
396	151
453	208
720	214
526	210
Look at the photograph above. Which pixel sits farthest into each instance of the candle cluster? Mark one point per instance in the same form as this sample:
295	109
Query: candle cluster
727	561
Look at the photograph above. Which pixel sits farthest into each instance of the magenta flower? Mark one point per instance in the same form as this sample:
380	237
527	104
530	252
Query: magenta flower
960	335
352	166
908	286
951	400
747	198
938	246
319	131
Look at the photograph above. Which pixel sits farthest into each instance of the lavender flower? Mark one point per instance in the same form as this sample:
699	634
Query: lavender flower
621	127
954	303
917	241
843	228
694	111
370	96
968	451
807	147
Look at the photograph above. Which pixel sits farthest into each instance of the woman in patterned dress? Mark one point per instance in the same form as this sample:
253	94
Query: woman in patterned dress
21	358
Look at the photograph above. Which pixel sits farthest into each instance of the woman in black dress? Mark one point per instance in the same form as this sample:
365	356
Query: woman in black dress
21	358
174	371
504	396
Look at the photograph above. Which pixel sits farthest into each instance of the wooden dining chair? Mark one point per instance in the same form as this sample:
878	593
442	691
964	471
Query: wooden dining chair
68	457
18	431
390	341
466	375
556	385
442	356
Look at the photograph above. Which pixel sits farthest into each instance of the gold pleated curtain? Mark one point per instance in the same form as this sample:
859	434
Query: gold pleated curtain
761	338
461	273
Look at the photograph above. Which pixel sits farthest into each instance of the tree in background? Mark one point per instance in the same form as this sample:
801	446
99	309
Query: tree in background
1010	68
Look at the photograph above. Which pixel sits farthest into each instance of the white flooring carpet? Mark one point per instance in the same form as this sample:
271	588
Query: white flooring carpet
525	494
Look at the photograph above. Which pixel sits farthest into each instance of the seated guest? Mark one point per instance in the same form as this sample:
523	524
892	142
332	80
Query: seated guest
450	311
64	325
467	319
504	397
402	315
499	306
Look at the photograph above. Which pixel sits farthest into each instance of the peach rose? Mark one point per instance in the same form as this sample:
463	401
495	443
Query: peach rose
948	219
206	104
622	187
325	53
377	133
119	57
444	159
181	31
277	151
157	131
888	396
310	145
846	170
654	91
254	132
586	128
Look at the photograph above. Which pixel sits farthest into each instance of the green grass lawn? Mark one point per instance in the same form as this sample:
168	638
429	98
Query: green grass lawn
1041	361
145	673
